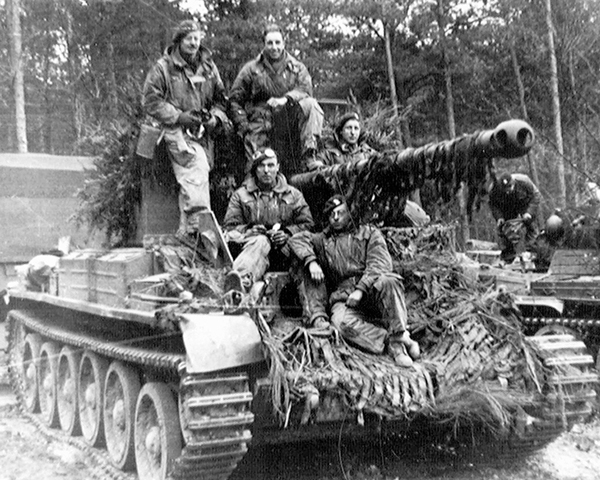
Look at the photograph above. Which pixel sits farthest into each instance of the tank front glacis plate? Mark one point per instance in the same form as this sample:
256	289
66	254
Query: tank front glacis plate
215	341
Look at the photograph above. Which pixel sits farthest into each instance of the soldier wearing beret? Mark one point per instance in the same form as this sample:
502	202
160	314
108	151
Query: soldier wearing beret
365	298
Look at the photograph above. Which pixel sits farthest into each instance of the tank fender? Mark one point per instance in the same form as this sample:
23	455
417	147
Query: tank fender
215	341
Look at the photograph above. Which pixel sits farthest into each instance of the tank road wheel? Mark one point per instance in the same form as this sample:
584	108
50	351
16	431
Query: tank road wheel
68	368
48	374
92	374
121	390
29	372
157	432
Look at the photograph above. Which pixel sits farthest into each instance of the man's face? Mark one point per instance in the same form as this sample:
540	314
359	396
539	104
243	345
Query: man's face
351	132
274	45
191	43
339	218
266	172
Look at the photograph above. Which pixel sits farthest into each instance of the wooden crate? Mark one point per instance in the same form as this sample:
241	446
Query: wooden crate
75	280
115	271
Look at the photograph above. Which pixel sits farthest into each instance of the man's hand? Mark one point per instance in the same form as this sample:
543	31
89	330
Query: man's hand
256	230
212	123
500	222
278	237
354	299
188	120
527	218
275	103
316	272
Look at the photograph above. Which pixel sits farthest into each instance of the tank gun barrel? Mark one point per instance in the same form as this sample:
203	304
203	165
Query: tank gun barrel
510	139
448	163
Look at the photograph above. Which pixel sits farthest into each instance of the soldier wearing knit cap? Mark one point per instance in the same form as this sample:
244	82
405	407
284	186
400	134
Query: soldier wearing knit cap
185	97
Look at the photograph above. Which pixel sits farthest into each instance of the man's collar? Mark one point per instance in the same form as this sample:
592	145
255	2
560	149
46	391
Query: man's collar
281	186
262	57
178	60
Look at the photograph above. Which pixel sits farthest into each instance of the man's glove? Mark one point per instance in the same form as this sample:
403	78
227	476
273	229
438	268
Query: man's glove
188	120
500	222
527	218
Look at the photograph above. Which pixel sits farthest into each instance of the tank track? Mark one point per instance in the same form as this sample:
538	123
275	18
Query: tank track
214	409
569	392
582	323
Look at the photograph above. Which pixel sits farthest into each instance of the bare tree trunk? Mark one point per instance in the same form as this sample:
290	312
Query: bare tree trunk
392	79
461	194
14	15
522	105
562	193
48	107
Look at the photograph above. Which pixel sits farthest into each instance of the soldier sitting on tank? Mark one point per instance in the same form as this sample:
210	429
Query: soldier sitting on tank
366	300
275	88
514	201
261	216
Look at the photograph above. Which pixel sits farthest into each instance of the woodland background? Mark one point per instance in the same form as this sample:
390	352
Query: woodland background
419	71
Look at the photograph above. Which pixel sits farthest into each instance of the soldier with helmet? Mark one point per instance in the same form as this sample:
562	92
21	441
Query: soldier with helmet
514	201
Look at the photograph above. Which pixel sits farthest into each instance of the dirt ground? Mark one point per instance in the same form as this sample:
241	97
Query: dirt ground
27	453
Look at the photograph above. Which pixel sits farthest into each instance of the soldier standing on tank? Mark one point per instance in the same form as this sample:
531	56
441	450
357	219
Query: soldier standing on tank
261	217
275	87
352	263
184	94
514	197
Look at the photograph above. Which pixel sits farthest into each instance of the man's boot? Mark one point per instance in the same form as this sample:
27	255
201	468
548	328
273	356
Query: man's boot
398	352
233	281
320	322
412	347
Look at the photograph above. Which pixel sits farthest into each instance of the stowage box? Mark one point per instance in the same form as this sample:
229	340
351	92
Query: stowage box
103	277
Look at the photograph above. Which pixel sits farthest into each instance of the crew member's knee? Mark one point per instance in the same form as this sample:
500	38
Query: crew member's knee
310	105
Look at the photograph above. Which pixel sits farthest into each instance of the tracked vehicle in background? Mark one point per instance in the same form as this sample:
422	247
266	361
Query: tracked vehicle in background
137	353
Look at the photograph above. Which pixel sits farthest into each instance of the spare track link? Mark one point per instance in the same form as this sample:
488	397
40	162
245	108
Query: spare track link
215	410
216	417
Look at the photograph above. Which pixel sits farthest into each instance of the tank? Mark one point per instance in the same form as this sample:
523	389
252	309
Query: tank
140	357
562	298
